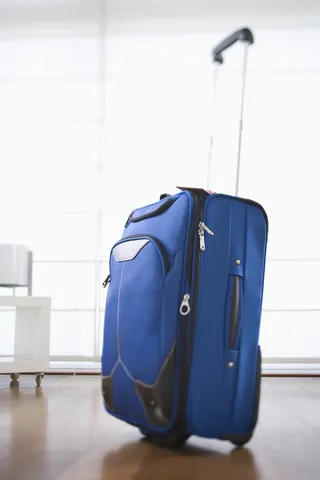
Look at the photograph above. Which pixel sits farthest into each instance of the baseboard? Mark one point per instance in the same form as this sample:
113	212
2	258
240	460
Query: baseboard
270	367
291	366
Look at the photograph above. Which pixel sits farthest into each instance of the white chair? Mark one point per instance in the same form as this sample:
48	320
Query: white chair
32	319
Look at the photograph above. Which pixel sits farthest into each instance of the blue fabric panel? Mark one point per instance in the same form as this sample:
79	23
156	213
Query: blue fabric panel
125	397
220	398
230	375
171	299
140	314
142	306
205	402
170	227
248	349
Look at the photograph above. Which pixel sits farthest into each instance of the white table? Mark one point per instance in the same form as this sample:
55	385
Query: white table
32	336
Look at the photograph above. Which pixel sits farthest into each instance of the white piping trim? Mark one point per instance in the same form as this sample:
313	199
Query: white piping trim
127	371
118	312
114	368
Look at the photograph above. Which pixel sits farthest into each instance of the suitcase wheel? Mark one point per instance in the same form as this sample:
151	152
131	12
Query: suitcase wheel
38	378
243	439
241	443
172	440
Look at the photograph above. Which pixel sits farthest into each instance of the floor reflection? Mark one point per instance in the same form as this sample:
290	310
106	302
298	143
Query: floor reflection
26	430
143	460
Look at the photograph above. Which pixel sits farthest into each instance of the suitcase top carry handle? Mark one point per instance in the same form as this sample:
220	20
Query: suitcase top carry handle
242	35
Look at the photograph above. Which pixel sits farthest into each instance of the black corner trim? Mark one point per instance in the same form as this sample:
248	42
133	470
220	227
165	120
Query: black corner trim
107	392
106	281
157	399
154	412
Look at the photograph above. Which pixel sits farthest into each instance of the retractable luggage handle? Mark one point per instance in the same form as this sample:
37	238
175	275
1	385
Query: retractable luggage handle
242	35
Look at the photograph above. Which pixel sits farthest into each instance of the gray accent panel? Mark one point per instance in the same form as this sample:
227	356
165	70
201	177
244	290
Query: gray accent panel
129	250
157	399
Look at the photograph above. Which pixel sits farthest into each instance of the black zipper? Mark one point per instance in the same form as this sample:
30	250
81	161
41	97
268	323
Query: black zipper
158	211
191	240
160	246
194	300
185	345
107	280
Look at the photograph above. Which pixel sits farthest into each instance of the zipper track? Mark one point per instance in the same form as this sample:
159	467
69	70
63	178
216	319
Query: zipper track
160	246
186	346
194	301
191	240
106	281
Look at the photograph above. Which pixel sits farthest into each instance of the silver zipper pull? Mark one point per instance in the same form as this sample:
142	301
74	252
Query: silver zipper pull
202	228
185	305
201	237
207	229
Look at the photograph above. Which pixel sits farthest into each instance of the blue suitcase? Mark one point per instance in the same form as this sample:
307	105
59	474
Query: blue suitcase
181	352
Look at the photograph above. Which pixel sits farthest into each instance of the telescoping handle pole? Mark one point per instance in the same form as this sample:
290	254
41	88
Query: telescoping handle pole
245	36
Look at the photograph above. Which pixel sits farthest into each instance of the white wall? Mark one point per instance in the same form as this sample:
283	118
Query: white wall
116	103
49	157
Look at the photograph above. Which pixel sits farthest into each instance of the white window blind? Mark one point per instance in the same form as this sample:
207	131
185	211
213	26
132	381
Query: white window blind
100	113
50	148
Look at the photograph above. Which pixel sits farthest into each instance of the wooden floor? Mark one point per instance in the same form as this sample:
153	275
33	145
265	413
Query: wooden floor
60	431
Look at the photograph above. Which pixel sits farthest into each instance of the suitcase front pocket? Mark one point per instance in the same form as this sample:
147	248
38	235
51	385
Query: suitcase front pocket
138	353
234	311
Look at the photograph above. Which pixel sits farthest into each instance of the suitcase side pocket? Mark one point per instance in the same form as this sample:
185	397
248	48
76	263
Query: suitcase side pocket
234	311
139	348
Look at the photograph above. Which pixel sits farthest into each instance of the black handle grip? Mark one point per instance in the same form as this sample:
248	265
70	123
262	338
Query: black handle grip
242	35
